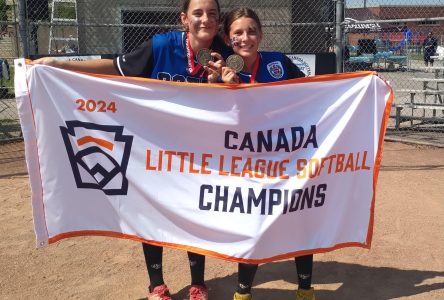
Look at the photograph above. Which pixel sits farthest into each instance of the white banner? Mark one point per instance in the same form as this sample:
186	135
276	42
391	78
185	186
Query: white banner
248	173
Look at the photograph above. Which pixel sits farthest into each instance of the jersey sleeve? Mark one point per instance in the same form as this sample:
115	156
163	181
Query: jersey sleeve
292	69
138	63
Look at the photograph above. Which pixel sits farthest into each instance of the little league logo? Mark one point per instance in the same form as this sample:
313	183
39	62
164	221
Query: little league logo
98	155
275	69
303	66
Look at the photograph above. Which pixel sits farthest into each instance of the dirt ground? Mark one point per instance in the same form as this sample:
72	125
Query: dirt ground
406	260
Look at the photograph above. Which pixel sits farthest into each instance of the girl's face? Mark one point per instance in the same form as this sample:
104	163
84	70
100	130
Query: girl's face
245	37
201	19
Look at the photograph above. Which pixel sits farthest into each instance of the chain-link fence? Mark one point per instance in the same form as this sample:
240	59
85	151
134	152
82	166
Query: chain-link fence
9	49
404	43
118	26
390	36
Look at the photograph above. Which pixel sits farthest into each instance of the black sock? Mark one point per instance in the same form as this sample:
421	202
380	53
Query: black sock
197	268
153	260
245	274
304	267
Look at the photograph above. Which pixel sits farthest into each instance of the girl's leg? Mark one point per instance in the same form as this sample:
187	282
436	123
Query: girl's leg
197	268
304	267
153	260
245	275
198	290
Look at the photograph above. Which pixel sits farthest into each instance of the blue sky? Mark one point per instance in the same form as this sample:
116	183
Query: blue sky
370	3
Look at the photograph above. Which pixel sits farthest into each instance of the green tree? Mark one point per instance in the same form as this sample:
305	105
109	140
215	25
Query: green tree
3	14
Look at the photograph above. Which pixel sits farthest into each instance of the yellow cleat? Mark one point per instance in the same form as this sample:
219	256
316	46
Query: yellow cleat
302	294
238	296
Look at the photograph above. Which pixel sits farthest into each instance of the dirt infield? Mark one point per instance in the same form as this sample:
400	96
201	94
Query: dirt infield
406	260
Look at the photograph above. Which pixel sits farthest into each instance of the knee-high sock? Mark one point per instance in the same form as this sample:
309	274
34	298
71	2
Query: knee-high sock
153	260
304	267
246	273
197	268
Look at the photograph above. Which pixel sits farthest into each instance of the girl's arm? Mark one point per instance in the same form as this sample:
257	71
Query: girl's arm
98	66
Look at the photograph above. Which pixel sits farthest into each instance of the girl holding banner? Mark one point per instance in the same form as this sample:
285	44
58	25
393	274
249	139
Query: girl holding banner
170	56
243	29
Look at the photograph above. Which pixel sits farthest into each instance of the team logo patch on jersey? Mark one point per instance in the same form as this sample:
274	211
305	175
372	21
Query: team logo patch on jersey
99	156
275	69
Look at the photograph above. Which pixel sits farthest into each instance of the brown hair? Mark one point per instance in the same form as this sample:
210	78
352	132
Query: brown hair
238	13
186	5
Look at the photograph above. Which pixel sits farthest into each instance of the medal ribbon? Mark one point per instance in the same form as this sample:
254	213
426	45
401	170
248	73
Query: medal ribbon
255	69
192	68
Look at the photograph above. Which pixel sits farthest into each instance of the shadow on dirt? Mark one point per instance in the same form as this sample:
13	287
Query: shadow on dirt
351	281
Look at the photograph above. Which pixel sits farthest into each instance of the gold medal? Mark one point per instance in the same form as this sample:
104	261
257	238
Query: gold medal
204	56
236	62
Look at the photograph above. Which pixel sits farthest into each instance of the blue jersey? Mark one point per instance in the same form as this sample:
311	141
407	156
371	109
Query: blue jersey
171	59
273	66
165	57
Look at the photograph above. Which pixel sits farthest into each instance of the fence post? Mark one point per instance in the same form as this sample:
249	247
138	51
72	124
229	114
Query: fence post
23	29
339	47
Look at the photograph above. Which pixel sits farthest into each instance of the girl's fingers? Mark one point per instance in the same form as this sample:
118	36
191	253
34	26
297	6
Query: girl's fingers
217	56
49	61
229	75
227	70
213	75
212	70
218	62
217	65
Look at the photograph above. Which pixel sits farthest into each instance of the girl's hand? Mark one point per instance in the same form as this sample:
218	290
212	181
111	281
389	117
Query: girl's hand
229	75
49	61
214	68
